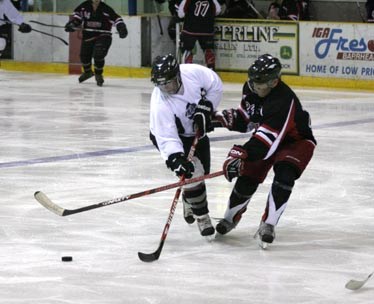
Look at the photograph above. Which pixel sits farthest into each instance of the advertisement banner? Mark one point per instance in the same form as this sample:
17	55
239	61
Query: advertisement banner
337	50
238	43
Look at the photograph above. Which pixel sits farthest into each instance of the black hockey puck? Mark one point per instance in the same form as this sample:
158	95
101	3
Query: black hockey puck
67	258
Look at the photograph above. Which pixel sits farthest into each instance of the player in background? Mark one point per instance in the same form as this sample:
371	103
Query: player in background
283	139
198	26
183	100
9	12
289	10
95	15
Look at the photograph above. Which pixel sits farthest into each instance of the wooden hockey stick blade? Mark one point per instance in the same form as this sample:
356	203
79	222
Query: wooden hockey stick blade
356	284
151	257
46	202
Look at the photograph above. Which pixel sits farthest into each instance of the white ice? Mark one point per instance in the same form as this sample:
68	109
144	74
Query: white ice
49	125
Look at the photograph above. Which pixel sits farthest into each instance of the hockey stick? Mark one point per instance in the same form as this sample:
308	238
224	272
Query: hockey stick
151	257
53	36
254	9
46	202
45	24
44	33
354	284
360	12
76	28
158	17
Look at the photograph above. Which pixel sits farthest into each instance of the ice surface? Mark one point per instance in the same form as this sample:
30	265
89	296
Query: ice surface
82	144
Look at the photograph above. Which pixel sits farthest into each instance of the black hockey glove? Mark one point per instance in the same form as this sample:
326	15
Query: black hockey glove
226	118
122	30
179	164
24	28
70	26
203	116
232	164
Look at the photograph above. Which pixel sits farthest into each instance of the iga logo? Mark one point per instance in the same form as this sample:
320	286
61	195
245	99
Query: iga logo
334	37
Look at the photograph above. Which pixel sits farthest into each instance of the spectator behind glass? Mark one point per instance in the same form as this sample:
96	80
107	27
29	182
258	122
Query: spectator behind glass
239	9
370	10
289	10
173	5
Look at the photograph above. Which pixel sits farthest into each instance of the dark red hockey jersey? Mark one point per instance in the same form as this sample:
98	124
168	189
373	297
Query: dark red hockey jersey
279	116
199	16
101	19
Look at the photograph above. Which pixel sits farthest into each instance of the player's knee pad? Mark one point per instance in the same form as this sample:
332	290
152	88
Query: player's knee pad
242	192
197	198
284	180
2	44
198	171
101	50
245	186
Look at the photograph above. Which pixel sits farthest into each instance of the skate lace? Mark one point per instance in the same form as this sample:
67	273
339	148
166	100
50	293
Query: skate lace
204	222
266	229
187	209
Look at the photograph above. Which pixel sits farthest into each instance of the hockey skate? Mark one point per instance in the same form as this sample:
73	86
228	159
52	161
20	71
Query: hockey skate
187	212
205	226
265	235
85	76
99	79
225	226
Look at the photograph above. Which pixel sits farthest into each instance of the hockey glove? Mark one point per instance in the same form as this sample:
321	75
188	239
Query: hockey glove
232	164
24	28
70	26
202	117
226	118
122	30
179	164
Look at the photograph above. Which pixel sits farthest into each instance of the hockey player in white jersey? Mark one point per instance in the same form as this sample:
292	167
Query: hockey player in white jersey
183	100
8	10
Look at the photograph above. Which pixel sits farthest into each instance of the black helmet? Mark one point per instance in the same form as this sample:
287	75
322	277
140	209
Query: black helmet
265	68
164	69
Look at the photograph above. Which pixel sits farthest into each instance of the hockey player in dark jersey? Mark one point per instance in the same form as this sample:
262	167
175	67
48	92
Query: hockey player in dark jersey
198	26
282	139
95	15
185	96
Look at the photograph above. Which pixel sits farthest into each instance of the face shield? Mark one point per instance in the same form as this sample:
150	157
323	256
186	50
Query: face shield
263	89
171	86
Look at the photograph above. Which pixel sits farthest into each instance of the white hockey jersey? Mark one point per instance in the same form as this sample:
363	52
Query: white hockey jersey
8	9
165	108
